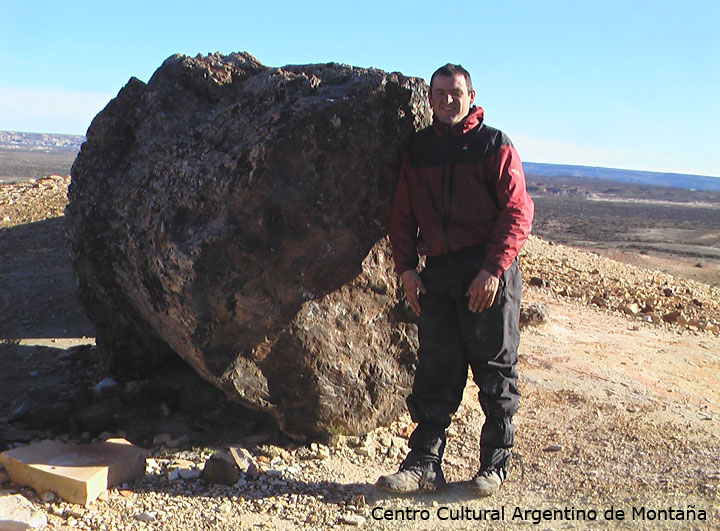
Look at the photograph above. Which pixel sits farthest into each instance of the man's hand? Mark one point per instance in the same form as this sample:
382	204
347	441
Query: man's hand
482	291
412	284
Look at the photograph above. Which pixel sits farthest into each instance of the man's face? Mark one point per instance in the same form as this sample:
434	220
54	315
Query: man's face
450	99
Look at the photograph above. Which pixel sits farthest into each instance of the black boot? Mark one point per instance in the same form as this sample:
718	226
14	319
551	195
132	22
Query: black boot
417	473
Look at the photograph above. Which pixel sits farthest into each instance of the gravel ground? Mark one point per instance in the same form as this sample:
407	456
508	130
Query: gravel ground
620	413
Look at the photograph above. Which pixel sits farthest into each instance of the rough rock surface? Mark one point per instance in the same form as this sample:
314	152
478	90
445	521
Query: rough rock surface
233	213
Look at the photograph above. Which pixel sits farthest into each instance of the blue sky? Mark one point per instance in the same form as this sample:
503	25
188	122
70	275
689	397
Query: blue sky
626	84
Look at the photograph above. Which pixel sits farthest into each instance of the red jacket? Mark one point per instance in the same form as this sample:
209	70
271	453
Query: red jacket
460	187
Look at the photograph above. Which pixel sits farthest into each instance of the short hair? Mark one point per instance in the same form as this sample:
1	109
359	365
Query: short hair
451	70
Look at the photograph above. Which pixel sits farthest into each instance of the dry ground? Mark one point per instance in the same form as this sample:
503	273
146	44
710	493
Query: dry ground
616	413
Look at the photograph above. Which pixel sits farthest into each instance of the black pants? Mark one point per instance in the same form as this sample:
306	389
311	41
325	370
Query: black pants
453	338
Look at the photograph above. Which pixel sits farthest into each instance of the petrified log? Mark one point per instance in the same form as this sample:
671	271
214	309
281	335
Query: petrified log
234	214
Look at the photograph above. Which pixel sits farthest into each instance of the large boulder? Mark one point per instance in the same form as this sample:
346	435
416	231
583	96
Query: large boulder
234	214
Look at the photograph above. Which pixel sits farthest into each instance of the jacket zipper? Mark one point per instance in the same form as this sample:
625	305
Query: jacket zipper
445	211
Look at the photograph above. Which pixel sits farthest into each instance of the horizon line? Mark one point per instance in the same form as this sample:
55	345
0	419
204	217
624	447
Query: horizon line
591	166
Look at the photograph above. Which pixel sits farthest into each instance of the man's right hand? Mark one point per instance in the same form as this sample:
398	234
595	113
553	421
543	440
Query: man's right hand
412	284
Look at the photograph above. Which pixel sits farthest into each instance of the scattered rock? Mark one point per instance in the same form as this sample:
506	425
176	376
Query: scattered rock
352	519
534	314
183	469
76	512
48	497
189	473
105	385
145	517
655	297
221	468
17	513
599	301
630	309
553	448
358	501
672	317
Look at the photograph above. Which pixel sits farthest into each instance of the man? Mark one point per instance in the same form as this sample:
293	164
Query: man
460	201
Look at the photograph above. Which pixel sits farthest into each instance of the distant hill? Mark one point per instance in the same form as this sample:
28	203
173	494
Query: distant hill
40	141
36	155
32	155
651	178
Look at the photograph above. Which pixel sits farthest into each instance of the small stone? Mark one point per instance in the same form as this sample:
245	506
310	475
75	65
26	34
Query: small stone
48	496
189	473
712	327
672	317
363	451
630	309
220	468
553	448
105	385
598	301
152	465
145	517
352	519
534	314
76	512
252	471
323	452
399	442
358	501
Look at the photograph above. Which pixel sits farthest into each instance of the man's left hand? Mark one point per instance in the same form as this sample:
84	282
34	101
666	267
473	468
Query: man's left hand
482	291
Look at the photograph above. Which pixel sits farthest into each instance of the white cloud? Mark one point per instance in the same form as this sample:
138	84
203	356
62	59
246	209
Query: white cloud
48	110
